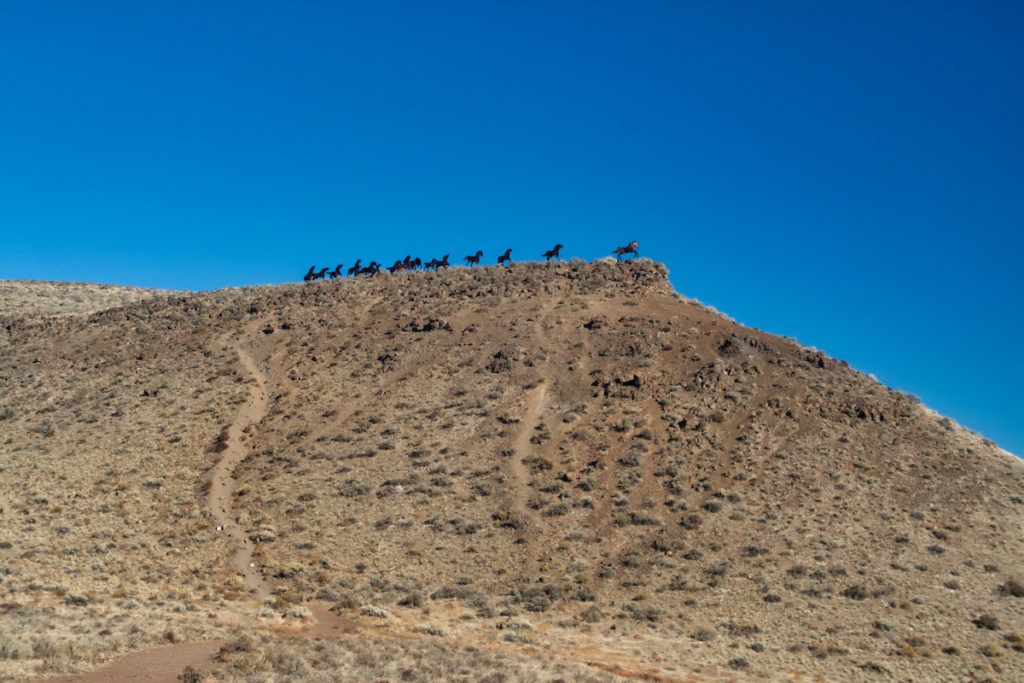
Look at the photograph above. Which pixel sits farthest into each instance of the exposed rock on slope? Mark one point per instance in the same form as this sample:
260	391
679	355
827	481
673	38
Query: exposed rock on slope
575	448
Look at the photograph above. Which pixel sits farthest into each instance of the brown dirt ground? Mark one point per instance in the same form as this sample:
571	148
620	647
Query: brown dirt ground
532	473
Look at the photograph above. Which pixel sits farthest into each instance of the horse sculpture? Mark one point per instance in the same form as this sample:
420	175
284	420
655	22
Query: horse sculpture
553	253
410	263
437	264
631	248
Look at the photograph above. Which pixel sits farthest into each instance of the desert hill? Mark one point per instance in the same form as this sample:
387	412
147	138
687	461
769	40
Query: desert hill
533	473
38	297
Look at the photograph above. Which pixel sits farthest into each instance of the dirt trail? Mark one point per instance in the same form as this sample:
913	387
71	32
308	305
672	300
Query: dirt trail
166	662
521	449
222	481
155	664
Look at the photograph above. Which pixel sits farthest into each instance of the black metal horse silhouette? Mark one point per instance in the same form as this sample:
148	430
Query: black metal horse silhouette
506	257
474	259
553	253
370	270
437	264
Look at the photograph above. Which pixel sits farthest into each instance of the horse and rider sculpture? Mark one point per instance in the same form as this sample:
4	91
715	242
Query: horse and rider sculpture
435	264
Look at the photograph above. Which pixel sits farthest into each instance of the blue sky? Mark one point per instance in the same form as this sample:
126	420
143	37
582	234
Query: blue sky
849	176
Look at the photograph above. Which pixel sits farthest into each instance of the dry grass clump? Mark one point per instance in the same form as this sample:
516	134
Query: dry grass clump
357	658
40	641
37	297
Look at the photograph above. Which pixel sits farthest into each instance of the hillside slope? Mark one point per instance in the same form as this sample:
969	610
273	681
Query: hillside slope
38	297
565	462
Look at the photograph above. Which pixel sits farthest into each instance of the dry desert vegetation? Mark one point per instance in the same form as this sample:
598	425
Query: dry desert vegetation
564	472
37	298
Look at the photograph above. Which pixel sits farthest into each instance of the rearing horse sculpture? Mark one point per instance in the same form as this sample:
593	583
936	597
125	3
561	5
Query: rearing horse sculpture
506	257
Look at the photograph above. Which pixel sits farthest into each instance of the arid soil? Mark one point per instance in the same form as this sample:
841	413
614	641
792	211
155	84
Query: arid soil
38	297
534	473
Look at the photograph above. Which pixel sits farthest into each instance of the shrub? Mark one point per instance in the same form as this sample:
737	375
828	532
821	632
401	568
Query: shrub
44	429
643	613
352	488
986	621
241	644
704	635
190	675
1012	587
690	522
855	592
537	464
678	583
412	599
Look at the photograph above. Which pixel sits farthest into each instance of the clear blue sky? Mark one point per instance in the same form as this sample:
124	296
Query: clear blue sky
849	176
